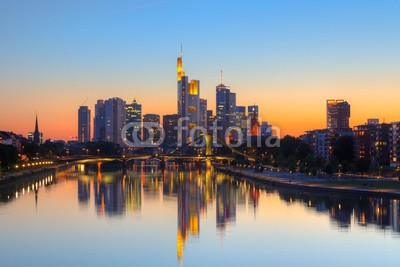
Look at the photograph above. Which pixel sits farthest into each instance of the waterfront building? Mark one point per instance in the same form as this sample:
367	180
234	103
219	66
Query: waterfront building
372	143
394	139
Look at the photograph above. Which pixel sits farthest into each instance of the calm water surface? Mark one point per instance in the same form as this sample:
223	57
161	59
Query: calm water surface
186	216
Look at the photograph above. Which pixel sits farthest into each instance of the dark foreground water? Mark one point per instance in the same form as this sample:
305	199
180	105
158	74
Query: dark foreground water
189	217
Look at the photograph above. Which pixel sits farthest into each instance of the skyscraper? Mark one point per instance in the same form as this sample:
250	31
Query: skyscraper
210	120
252	111
241	119
337	114
115	117
203	113
133	114
84	124
225	109
171	134
188	100
193	111
154	119
232	109
99	121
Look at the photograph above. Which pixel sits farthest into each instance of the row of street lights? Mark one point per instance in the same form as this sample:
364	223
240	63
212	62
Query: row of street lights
33	164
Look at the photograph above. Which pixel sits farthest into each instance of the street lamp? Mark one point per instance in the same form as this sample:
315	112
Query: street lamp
98	152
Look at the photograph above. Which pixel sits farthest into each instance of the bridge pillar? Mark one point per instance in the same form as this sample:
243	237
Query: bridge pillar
208	145
162	163
124	165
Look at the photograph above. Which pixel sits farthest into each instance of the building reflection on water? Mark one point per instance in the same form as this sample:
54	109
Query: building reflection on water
116	193
12	192
345	210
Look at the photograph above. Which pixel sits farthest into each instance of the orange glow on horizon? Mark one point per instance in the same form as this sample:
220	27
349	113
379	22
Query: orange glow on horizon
292	107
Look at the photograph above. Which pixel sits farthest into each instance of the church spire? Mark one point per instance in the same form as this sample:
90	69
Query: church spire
36	134
36	124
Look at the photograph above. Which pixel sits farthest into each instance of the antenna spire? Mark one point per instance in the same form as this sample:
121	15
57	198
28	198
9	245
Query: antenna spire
181	50
220	77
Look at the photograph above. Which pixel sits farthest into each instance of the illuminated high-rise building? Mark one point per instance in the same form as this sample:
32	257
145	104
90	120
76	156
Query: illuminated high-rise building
394	142
252	111
133	115
84	124
232	109
194	103
241	118
337	114
133	112
188	100
225	109
210	120
170	122
203	113
155	120
115	117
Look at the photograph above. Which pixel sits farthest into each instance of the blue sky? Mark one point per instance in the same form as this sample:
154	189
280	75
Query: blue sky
267	49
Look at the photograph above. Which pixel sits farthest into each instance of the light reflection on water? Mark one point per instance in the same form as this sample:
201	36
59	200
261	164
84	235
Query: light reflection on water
217	218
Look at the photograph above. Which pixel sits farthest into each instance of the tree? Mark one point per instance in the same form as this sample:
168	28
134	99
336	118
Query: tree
329	169
8	155
362	165
343	149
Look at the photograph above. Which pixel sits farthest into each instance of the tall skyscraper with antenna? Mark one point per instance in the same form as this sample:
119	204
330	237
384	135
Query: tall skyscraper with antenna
188	100
225	114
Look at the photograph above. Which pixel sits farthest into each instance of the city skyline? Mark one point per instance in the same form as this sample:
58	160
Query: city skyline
284	66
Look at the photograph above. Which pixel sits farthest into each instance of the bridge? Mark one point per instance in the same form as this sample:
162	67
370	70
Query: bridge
128	158
170	156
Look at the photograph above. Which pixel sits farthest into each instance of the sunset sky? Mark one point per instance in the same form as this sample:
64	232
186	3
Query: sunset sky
286	56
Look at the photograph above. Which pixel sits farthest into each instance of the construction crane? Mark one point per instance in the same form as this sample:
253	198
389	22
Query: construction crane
84	102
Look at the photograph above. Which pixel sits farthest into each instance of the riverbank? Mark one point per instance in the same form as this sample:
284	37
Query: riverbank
383	187
17	176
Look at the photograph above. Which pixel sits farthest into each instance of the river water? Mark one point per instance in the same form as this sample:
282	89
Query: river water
188	216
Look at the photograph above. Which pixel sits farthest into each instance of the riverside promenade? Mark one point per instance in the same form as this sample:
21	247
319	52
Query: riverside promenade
26	174
382	187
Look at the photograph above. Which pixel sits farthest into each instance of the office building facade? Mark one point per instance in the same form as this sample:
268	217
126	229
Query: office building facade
84	124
